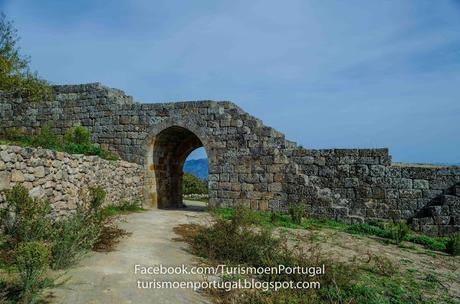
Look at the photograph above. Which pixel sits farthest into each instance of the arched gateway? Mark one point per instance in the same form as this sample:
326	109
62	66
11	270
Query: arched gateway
167	148
249	163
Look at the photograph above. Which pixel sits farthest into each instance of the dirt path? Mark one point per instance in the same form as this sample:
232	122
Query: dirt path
110	277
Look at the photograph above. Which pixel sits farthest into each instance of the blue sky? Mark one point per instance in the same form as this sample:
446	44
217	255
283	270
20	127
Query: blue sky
326	73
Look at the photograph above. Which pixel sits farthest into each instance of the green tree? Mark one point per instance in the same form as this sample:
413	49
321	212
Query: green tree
193	185
16	77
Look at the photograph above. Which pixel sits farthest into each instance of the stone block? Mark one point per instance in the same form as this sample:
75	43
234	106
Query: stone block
6	157
378	192
17	176
441	220
410	193
37	192
402	183
420	184
39	172
351	182
275	187
5	180
450	199
377	170
392	193
364	192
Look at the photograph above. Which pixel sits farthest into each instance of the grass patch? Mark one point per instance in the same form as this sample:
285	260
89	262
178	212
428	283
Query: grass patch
244	237
123	207
437	244
391	233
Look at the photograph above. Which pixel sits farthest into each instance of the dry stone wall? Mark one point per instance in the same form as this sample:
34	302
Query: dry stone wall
64	179
374	188
249	163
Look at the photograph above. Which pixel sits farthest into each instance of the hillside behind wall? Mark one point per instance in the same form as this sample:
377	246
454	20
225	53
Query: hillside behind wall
253	164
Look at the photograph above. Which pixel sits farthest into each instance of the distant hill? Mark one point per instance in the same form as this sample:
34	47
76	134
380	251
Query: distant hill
197	167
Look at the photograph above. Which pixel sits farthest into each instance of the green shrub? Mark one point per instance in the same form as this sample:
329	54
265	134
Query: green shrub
78	135
76	234
46	138
193	185
123	207
368	229
32	261
130	206
72	237
97	198
76	141
429	242
235	241
88	149
453	245
275	217
296	211
399	231
383	266
24	218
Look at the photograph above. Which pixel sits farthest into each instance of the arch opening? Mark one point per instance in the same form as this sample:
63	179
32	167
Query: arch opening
195	188
168	152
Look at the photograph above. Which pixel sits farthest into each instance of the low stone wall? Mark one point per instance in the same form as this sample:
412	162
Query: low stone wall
64	179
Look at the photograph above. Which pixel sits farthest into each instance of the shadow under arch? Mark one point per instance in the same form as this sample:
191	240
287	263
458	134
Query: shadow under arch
167	148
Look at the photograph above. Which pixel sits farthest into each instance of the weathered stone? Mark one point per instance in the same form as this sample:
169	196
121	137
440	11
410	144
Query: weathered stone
420	184
5	156
39	172
37	192
17	176
457	190
60	155
5	179
351	182
410	193
378	170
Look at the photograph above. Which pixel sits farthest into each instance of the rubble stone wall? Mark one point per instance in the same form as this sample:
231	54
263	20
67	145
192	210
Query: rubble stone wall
64	179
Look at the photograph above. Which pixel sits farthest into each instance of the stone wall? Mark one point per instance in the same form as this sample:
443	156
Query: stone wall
374	189
249	163
64	179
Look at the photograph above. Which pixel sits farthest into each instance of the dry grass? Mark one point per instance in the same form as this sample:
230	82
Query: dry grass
110	236
186	232
384	267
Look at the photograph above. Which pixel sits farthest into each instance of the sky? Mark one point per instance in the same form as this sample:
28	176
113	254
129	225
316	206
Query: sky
328	74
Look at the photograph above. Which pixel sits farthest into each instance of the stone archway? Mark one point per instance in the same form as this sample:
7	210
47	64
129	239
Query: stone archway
167	151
